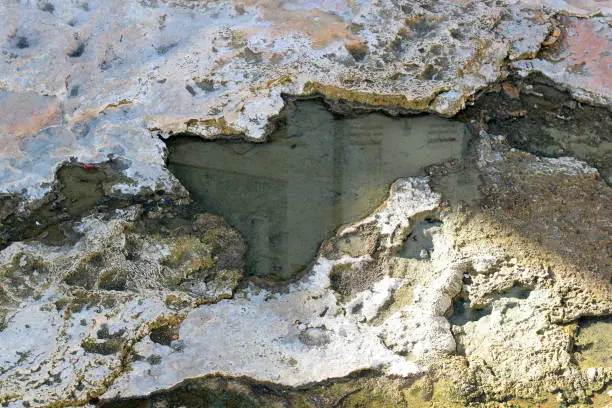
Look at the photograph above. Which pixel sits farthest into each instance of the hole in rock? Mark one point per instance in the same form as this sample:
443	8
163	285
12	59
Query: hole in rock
46	6
22	42
316	173
464	313
517	292
78	50
419	242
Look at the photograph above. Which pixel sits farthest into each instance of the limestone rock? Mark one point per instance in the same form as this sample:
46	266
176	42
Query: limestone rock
578	60
472	284
124	72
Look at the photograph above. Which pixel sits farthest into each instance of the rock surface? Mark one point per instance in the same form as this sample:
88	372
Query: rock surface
577	56
220	69
485	282
96	341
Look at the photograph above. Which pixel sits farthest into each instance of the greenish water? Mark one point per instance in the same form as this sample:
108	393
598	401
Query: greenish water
594	342
316	174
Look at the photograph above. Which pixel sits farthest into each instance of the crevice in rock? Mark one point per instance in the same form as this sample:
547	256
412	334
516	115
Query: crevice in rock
78	189
418	243
538	116
463	311
245	392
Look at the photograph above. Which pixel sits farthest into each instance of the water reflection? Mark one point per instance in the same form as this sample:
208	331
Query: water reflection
318	173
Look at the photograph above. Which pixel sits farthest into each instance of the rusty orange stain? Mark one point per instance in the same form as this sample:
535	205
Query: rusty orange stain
27	113
582	6
586	44
322	26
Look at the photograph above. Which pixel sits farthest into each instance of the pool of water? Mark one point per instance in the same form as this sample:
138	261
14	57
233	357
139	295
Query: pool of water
594	342
315	174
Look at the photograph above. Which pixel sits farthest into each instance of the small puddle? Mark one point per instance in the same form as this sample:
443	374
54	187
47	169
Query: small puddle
78	190
316	174
594	342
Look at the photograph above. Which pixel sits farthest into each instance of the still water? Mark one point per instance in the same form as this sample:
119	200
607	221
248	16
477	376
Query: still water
316	174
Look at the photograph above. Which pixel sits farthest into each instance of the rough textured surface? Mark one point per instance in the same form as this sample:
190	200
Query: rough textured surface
220	68
296	338
530	273
487	283
578	57
87	303
135	342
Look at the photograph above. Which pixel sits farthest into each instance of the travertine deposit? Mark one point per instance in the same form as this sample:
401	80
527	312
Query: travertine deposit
94	80
485	281
124	312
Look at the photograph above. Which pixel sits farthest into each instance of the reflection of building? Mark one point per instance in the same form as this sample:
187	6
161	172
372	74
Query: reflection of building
289	195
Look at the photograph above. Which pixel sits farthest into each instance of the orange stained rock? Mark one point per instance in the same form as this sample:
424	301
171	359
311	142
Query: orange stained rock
583	7
590	5
321	22
26	113
586	44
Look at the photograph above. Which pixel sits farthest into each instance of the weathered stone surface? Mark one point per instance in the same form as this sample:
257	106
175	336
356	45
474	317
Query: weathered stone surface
292	338
578	57
470	286
220	68
527	273
72	313
135	342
